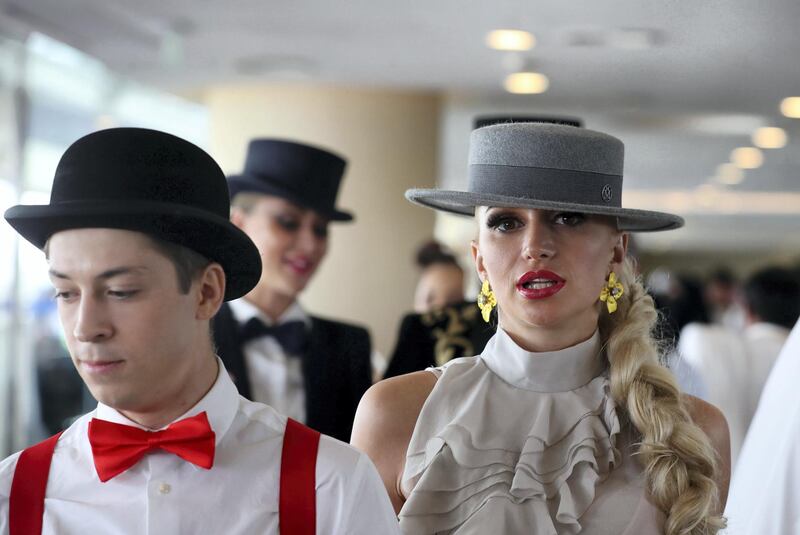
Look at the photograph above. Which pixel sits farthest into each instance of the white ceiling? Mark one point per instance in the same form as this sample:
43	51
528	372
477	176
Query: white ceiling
716	70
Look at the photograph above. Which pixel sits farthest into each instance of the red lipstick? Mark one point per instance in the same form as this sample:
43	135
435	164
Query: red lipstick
540	284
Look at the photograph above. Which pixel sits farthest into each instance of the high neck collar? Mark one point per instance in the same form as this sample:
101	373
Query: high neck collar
550	371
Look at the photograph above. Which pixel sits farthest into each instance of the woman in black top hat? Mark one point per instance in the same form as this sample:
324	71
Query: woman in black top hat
566	422
312	369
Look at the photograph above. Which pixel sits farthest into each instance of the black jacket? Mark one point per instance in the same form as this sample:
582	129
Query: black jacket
433	338
336	370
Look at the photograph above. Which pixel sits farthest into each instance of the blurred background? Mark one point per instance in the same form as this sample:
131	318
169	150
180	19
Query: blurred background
705	95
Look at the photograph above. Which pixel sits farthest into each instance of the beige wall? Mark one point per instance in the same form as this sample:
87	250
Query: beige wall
390	140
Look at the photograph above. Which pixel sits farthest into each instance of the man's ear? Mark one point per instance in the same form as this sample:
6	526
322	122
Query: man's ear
211	294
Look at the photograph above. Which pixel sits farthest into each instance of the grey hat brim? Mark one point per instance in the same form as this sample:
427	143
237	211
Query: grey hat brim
464	203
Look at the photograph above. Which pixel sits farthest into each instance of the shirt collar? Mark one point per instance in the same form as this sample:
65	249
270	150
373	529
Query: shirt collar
220	405
551	371
243	310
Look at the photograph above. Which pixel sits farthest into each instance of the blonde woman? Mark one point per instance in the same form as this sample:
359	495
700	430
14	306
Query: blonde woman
567	422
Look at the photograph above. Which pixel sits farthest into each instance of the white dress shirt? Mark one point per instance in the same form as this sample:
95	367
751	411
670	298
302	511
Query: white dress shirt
164	494
720	357
276	378
764	497
734	366
764	343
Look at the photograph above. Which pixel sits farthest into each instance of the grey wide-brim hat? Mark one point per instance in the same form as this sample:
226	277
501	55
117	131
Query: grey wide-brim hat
547	166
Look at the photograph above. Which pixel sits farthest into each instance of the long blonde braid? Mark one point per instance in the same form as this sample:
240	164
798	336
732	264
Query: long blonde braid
678	459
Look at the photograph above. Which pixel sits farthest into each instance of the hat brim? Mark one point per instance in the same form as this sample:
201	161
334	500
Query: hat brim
208	234
246	183
464	203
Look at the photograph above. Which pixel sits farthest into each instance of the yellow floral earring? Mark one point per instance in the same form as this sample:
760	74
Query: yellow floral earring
486	300
612	291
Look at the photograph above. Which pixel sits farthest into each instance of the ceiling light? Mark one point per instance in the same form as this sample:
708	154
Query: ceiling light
510	40
729	174
769	137
747	158
790	107
526	83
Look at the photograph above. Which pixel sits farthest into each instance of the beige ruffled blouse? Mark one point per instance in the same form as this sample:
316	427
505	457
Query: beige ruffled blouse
516	442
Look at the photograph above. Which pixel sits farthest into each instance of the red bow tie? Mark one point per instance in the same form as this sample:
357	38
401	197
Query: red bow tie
117	447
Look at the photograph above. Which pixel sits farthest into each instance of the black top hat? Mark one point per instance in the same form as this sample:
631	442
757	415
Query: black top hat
306	175
146	181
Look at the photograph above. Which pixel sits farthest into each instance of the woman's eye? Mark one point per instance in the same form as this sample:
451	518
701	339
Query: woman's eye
288	223
63	295
321	231
570	219
502	223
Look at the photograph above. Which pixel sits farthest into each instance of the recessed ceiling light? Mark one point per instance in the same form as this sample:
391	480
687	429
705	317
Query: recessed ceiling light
747	158
510	40
769	137
729	174
526	83
790	107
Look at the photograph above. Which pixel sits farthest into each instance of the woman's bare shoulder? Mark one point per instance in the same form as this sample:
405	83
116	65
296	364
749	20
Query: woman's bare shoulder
398	400
713	423
385	422
709	418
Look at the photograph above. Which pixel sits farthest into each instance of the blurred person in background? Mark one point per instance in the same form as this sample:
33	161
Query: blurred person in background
443	326
721	297
441	279
679	301
566	422
772	305
735	363
312	369
141	254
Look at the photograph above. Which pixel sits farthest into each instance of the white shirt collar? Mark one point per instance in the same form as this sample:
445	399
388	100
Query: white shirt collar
220	405
551	371
243	310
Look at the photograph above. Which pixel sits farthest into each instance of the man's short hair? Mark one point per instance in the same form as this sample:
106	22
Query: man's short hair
188	263
773	296
722	276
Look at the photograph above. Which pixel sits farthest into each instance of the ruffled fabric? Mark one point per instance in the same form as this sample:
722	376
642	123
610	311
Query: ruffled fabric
490	457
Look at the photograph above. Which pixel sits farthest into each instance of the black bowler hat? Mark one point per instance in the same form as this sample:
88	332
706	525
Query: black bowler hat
305	175
146	181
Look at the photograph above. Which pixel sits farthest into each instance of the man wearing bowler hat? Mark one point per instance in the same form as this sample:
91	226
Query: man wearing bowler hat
315	370
142	255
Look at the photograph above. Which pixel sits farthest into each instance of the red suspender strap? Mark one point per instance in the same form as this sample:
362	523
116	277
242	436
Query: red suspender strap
298	496
26	502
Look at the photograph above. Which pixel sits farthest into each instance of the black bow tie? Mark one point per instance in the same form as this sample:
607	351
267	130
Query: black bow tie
292	335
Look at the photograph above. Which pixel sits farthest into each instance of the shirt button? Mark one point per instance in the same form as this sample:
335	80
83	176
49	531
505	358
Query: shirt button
164	488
